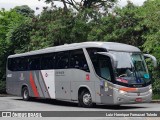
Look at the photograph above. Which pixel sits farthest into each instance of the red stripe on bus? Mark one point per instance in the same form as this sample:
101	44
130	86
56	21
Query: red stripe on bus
34	88
128	89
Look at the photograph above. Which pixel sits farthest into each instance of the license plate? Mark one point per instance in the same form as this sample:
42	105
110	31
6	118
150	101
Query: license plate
138	99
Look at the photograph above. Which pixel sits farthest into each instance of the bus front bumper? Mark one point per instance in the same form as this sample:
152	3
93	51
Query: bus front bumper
122	97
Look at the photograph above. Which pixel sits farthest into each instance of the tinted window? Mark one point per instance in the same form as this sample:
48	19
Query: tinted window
62	60
48	61
102	66
101	63
22	63
17	64
10	64
78	60
34	63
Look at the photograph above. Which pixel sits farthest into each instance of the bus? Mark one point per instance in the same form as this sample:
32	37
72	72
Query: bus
88	73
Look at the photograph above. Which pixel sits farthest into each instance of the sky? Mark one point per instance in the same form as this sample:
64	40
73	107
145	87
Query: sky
7	4
136	2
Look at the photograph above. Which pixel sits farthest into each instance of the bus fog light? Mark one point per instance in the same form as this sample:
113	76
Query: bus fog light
120	99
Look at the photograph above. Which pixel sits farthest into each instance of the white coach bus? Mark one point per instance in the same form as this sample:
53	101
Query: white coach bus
89	72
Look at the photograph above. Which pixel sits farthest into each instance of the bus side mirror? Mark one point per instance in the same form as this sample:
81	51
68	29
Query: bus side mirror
154	60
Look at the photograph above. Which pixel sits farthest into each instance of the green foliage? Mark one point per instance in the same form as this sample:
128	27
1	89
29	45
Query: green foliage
56	27
11	23
152	16
24	10
19	36
2	87
8	20
123	25
152	44
156	95
85	4
51	29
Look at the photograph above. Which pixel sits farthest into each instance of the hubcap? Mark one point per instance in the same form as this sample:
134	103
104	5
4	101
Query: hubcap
25	94
87	99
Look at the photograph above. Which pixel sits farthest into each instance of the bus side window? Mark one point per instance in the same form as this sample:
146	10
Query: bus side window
22	64
47	62
34	63
78	60
15	64
62	60
11	64
102	64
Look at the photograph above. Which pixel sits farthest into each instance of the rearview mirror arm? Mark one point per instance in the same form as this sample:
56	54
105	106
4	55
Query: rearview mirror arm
153	59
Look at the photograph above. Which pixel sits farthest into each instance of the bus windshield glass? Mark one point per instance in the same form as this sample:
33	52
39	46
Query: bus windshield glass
131	68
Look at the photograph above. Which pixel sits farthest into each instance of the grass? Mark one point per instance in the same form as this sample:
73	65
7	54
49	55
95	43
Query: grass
156	96
2	87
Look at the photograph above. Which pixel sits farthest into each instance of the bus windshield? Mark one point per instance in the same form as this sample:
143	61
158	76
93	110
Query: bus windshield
131	68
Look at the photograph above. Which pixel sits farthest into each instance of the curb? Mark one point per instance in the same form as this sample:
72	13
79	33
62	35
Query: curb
155	101
4	95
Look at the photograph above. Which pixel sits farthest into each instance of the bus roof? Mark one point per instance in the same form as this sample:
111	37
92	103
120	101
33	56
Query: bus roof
110	46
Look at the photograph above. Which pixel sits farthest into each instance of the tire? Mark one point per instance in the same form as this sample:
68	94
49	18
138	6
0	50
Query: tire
25	94
85	99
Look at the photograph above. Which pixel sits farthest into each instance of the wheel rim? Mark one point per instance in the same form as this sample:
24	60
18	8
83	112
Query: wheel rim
87	99
25	95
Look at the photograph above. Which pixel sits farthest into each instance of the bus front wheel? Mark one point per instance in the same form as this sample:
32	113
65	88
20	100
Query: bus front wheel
25	94
85	99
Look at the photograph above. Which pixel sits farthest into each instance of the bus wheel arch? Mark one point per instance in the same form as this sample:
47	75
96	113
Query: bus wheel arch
25	93
85	97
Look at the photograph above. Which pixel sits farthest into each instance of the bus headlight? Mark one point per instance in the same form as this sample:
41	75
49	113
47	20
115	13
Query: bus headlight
122	92
150	90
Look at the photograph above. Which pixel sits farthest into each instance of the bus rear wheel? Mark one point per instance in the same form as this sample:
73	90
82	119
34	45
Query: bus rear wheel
25	94
85	99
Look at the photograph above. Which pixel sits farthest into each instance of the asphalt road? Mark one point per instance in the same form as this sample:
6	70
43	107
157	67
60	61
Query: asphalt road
17	104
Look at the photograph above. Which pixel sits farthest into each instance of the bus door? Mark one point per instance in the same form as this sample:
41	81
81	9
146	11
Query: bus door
103	69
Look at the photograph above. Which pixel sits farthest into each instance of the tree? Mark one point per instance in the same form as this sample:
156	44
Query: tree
18	36
152	15
24	10
9	21
122	25
83	4
152	44
53	27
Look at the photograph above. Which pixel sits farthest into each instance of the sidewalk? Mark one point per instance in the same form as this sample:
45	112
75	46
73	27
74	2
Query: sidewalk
5	95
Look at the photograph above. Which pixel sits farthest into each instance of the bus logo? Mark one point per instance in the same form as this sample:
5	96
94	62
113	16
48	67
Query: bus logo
46	75
87	77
